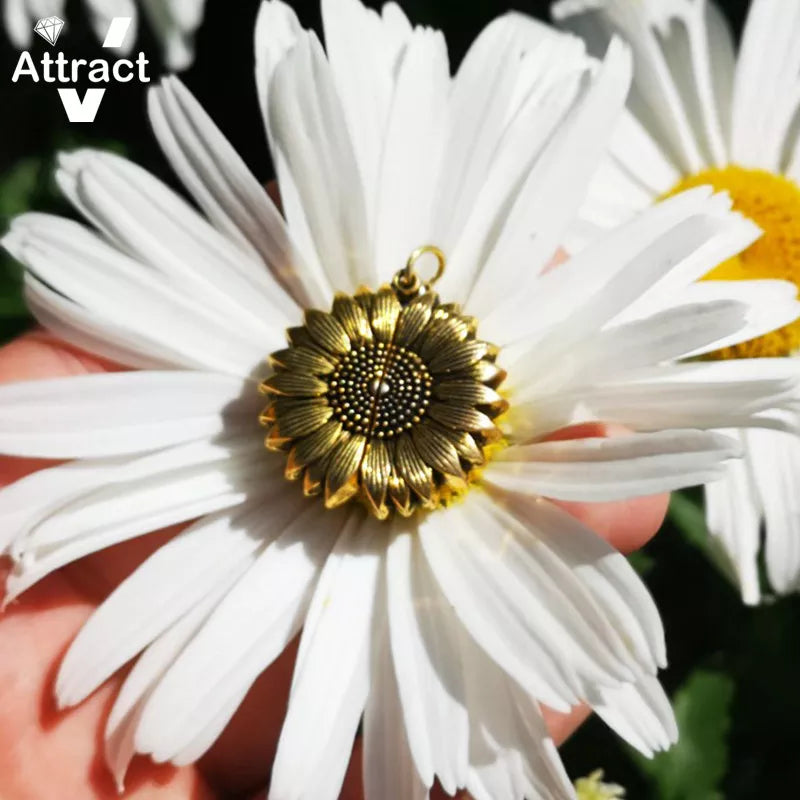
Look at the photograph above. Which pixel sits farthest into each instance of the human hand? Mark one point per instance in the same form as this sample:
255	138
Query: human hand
45	752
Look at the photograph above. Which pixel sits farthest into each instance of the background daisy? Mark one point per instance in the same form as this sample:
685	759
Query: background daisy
173	21
701	113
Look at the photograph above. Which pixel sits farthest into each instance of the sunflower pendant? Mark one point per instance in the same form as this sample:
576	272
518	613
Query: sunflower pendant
389	398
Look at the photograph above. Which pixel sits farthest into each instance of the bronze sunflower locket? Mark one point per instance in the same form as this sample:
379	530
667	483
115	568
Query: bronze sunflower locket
388	398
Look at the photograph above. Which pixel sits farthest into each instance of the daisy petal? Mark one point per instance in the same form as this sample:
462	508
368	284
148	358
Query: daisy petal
410	164
661	337
321	166
775	459
425	650
734	521
768	57
116	292
153	224
490	600
331	678
87	331
364	49
769	304
598	470
624	614
548	70
709	394
167	488
276	32
244	634
511	752
125	714
554	188
640	713
165	587
656	96
117	413
230	195
389	770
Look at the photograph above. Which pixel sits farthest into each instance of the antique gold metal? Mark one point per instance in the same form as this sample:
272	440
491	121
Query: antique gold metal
389	398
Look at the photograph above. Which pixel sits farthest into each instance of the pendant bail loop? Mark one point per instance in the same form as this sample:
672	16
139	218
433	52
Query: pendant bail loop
406	282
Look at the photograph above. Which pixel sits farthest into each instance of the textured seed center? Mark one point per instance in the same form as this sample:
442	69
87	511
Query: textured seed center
389	398
380	390
773	203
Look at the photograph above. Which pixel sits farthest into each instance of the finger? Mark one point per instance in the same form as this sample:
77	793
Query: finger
48	753
625	524
44	752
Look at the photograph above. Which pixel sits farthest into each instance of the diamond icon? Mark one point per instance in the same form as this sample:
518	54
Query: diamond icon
49	28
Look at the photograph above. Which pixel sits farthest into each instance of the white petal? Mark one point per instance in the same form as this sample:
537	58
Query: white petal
640	713
492	601
596	470
245	633
321	167
80	327
427	661
619	608
176	485
230	195
331	678
175	27
550	69
656	97
276	31
733	517
153	224
480	99
628	272
118	413
766	89
774	461
116	292
707	394
661	337
769	304
123	719
511	753
554	189
389	770
17	21
364	50
412	152
164	588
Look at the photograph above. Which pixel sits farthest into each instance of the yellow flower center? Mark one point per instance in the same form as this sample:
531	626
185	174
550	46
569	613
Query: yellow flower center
773	203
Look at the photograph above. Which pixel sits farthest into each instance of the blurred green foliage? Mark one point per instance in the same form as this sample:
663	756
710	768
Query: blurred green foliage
733	670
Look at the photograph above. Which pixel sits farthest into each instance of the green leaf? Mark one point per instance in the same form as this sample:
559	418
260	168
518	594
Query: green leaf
642	562
694	768
687	515
18	186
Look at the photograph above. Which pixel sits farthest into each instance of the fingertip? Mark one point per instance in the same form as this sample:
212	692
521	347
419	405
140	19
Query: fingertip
37	354
625	524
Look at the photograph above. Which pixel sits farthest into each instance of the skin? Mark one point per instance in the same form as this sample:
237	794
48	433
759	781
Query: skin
49	753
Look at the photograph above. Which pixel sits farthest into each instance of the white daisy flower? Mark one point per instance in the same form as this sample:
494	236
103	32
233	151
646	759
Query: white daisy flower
173	21
441	596
703	115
